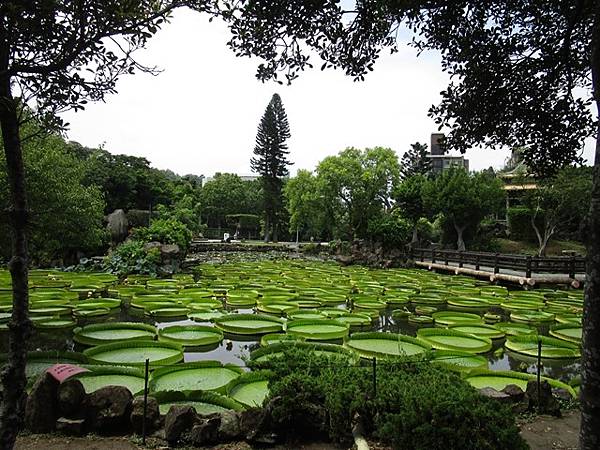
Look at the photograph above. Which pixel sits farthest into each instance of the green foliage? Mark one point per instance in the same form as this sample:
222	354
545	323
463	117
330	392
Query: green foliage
356	185
166	231
463	198
130	257
228	194
306	206
519	220
66	215
390	228
415	161
417	405
270	161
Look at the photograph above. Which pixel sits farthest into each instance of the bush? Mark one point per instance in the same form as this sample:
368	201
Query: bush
391	229
519	224
166	231
417	405
130	257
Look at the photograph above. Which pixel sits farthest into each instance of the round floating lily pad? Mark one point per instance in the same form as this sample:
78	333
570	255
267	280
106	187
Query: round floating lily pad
169	312
459	360
37	362
531	317
420	320
569	318
249	324
195	376
551	347
101	376
135	353
207	315
204	403
513	329
444	339
104	333
385	345
191	335
274	338
319	330
481	329
567	332
54	323
356	320
496	379
250	389
446	318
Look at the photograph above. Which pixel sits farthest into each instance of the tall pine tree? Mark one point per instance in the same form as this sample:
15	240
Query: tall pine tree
270	161
415	161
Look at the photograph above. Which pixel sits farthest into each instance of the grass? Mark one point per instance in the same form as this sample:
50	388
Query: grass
555	247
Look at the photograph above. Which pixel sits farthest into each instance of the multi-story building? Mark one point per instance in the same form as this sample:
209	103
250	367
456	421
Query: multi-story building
440	160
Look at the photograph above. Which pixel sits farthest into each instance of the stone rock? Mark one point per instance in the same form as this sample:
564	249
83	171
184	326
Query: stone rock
169	250
229	428
206	431
515	393
152	245
137	414
562	394
41	408
117	226
178	419
493	393
251	422
71	395
108	409
547	404
72	427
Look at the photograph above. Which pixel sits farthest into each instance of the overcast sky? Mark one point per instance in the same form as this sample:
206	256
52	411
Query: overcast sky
201	113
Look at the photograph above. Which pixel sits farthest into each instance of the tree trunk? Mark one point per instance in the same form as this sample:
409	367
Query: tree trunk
13	373
415	237
267	226
590	387
275	231
460	243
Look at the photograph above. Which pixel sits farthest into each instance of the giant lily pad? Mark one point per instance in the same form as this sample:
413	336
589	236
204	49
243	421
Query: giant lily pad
135	353
496	379
105	333
195	376
480	329
250	389
567	332
319	330
191	335
551	347
203	402
444	339
385	345
249	324
101	376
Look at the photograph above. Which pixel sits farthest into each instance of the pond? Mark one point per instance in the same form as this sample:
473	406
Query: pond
322	301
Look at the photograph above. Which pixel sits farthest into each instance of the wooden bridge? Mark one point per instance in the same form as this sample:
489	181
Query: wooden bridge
521	269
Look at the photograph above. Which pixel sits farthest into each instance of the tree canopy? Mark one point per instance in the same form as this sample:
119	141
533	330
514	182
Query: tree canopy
415	161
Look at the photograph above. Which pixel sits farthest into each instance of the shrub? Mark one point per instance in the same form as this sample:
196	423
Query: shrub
391	229
417	405
166	231
131	257
519	224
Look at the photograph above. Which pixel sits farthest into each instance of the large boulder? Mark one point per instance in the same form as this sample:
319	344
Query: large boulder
178	420
170	259
205	431
229	427
515	393
71	395
494	394
118	226
108	409
137	414
41	408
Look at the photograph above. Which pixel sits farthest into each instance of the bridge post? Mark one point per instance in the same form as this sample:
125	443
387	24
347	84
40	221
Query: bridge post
496	263
422	255
477	262
528	267
572	267
433	255
460	258
446	258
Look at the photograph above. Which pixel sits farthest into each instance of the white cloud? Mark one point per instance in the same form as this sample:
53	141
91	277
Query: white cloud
200	115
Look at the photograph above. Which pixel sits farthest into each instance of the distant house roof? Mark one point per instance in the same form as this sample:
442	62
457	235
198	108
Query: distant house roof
519	187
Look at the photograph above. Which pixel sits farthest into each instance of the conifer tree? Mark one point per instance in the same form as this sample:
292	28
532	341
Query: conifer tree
415	161
270	161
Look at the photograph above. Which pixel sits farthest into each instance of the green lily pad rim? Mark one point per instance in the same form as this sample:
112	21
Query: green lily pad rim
79	332
518	375
426	333
163	335
368	354
99	349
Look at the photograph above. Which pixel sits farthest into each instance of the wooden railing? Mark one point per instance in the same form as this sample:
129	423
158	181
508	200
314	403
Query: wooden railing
557	264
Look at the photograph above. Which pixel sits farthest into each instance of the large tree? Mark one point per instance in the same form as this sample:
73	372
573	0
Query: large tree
55	55
271	161
409	200
523	72
306	205
415	161
358	185
464	199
